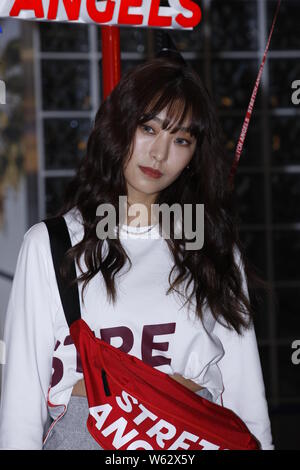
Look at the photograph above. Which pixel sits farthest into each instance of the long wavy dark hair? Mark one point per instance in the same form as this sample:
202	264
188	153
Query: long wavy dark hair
212	271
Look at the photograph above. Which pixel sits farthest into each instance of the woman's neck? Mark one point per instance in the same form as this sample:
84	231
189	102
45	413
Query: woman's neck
142	218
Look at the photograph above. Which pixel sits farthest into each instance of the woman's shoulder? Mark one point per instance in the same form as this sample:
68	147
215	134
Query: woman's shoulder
74	221
38	233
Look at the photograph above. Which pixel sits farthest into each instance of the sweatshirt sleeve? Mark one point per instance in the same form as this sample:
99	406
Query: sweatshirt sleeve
29	345
244	389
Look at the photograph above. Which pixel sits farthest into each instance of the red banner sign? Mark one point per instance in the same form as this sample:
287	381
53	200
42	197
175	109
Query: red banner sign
140	13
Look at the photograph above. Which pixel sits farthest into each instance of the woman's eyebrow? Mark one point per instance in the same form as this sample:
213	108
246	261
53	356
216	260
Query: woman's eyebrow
160	121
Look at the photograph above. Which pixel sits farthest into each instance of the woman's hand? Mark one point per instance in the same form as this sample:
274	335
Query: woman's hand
186	382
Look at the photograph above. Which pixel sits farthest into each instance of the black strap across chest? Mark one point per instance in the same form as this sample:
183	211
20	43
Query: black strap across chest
60	242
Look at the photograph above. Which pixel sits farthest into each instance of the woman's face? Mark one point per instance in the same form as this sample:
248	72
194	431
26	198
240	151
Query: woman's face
160	150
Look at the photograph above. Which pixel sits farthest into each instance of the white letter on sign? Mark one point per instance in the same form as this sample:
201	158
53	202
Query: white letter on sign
119	439
160	436
127	406
181	443
143	415
96	410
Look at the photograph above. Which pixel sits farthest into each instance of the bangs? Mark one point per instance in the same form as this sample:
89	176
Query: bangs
177	110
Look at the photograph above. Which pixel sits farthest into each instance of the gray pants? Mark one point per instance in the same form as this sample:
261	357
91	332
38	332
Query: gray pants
71	433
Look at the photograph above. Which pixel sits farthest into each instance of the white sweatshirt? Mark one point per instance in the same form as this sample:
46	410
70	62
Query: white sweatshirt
42	366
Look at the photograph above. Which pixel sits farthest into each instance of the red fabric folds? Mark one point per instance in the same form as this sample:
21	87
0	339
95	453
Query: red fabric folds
135	406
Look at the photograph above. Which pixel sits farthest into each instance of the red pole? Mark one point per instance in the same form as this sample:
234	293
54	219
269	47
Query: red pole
111	58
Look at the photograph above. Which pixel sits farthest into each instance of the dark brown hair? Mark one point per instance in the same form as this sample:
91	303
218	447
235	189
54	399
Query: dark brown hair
213	271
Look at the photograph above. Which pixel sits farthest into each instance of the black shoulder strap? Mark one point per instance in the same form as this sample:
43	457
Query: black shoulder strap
60	242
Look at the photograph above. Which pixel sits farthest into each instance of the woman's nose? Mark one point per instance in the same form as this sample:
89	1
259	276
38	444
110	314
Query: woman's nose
160	147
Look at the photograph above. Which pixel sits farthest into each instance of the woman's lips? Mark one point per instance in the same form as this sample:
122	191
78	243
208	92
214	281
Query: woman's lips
150	172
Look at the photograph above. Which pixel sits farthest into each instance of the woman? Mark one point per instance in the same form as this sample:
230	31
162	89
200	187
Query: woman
161	117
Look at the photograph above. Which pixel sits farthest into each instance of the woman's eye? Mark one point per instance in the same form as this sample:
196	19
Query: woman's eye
186	141
144	127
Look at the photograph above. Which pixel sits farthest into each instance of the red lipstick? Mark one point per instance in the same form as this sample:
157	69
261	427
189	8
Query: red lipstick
150	171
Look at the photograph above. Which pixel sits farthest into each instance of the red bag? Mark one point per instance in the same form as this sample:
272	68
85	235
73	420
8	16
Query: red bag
131	404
